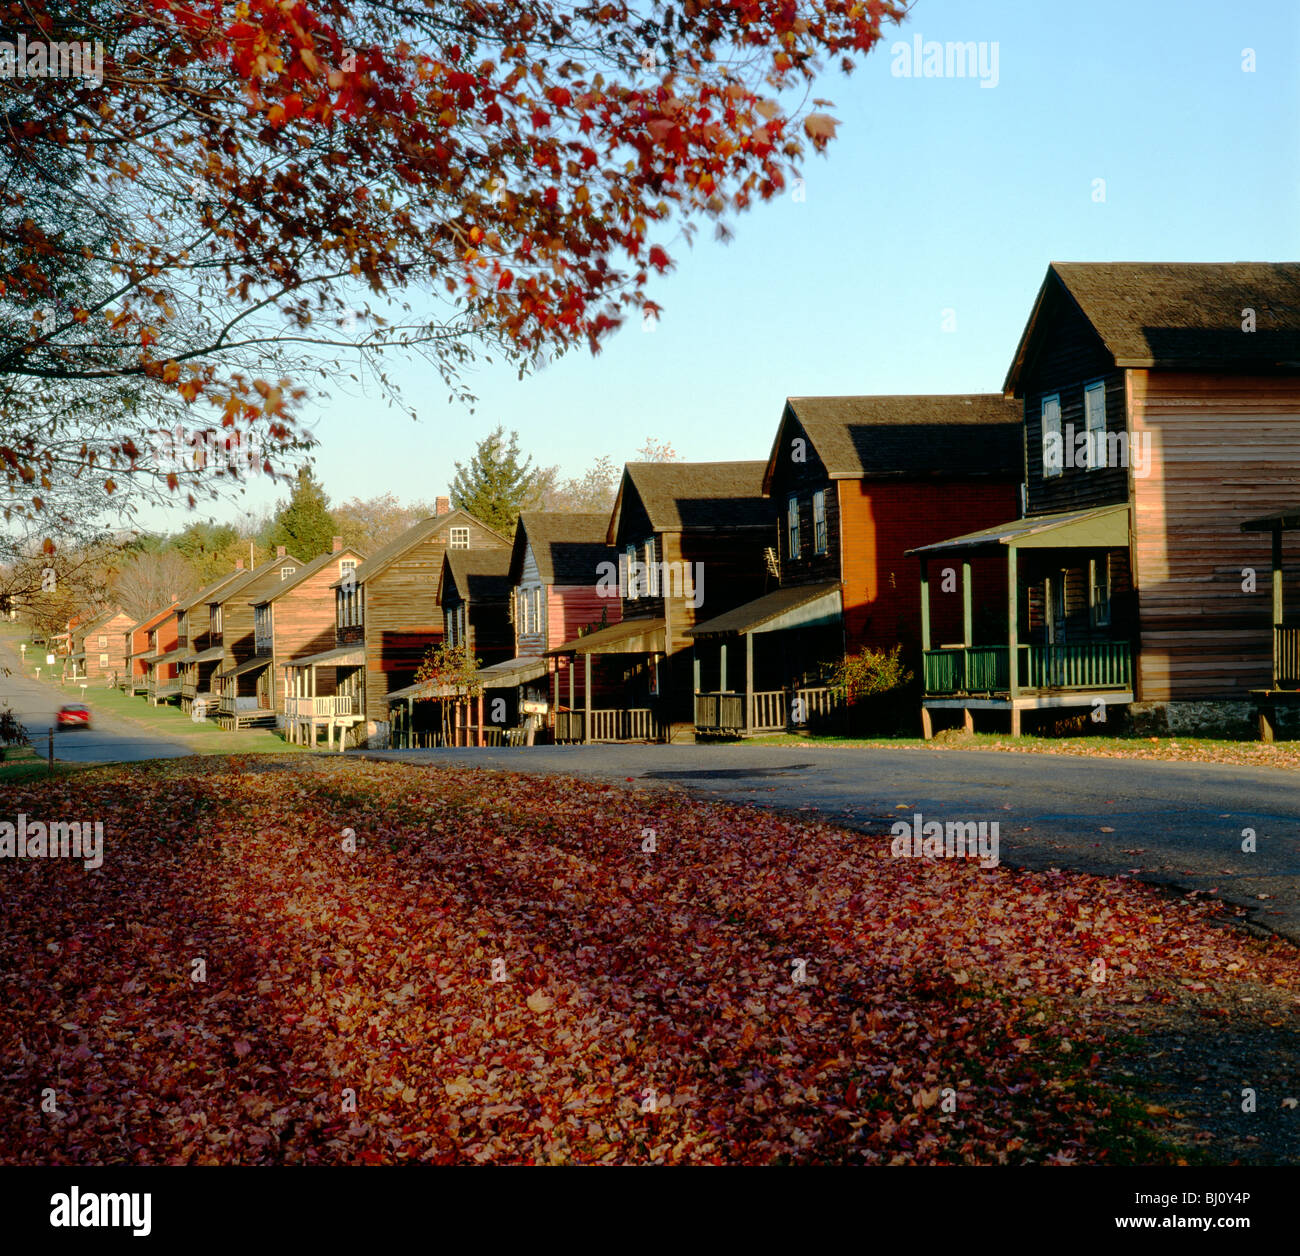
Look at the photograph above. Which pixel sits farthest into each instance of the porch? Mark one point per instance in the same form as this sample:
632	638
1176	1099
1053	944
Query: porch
1066	589
1283	692
784	639
640	646
198	680
164	679
244	698
340	709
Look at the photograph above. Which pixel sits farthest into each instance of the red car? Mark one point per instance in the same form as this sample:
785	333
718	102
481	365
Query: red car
73	715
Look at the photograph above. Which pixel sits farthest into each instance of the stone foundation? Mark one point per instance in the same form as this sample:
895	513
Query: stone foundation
1193	719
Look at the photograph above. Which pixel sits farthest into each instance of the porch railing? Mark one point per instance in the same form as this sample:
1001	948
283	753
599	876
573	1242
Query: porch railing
770	710
189	689
306	708
616	724
985	669
1286	656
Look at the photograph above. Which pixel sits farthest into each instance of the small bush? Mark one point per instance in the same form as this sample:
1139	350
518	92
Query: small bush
868	673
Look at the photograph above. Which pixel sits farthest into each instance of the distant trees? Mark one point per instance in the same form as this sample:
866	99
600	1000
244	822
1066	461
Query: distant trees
497	484
303	524
365	524
151	579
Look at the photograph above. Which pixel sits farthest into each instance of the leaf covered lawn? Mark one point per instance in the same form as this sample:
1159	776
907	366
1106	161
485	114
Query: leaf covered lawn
649	1010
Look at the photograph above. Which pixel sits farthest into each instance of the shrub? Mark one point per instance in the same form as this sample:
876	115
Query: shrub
868	673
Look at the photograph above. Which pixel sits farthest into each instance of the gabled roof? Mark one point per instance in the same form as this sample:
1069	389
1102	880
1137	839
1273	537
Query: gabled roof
567	547
931	436
205	593
251	584
476	574
304	572
154	618
388	554
1177	315
100	620
681	495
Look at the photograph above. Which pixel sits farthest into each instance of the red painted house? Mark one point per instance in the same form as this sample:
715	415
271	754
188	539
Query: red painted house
155	635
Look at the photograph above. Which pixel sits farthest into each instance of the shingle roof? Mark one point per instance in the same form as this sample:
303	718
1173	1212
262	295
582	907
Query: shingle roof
269	594
250	584
568	547
477	574
205	593
933	436
679	495
1182	314
155	617
413	535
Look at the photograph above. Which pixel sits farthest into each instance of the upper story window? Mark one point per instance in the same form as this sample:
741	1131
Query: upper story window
1094	412
286	572
214	619
459	539
820	539
347	565
651	567
348	602
1053	452
792	526
631	583
103	640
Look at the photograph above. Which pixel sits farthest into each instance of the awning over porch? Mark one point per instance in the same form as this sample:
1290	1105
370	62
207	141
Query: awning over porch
512	672
1281	521
632	636
1105	527
340	656
424	690
249	665
172	656
210	655
800	606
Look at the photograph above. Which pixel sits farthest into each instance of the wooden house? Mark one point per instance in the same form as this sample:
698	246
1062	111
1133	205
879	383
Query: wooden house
244	694
690	540
203	655
99	646
156	667
1160	405
387	615
294	618
852	483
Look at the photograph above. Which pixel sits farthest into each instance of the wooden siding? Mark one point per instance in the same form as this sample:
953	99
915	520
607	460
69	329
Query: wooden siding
403	617
1068	356
803	479
113	630
882	586
1223	450
534	642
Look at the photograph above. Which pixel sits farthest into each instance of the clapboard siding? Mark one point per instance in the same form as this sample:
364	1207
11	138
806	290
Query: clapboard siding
1223	451
113	630
530	578
801	479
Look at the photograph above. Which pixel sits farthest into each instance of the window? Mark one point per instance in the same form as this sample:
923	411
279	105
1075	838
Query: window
631	584
286	572
820	545
103	640
1100	583
103	660
792	524
214	620
459	539
651	567
654	675
347	570
1094	410
537	609
1053	461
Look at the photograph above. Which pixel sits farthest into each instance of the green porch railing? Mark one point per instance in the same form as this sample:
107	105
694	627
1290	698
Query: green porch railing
984	669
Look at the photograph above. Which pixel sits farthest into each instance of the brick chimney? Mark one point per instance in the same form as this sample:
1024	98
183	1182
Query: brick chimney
338	543
239	564
279	551
444	505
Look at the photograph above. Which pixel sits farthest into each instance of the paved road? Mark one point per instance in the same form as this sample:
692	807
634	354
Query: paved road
35	703
1176	823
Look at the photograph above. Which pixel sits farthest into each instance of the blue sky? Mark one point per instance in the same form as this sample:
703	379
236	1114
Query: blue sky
938	195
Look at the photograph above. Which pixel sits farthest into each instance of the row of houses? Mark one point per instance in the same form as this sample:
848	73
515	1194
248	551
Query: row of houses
1105	532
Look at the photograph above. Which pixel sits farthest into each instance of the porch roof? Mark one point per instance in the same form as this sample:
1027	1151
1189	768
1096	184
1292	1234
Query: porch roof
423	689
1103	527
632	636
1280	521
210	655
254	664
339	656
799	606
172	656
512	672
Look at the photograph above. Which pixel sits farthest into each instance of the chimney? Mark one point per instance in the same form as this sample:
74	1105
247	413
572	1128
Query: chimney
444	505
239	564
279	551
338	543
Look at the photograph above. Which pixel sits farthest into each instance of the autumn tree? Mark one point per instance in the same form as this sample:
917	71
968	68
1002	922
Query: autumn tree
592	492
656	451
448	675
496	484
365	524
151	579
250	194
303	524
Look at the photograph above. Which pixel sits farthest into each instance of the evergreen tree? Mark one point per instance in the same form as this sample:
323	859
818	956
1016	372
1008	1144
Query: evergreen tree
303	524
496	485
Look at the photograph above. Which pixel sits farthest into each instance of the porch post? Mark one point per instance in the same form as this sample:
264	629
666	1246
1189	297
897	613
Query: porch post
925	606
967	615
586	699
479	740
749	677
410	722
722	664
695	669
1013	639
1277	594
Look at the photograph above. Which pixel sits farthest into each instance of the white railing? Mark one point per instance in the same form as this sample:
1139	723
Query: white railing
309	708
